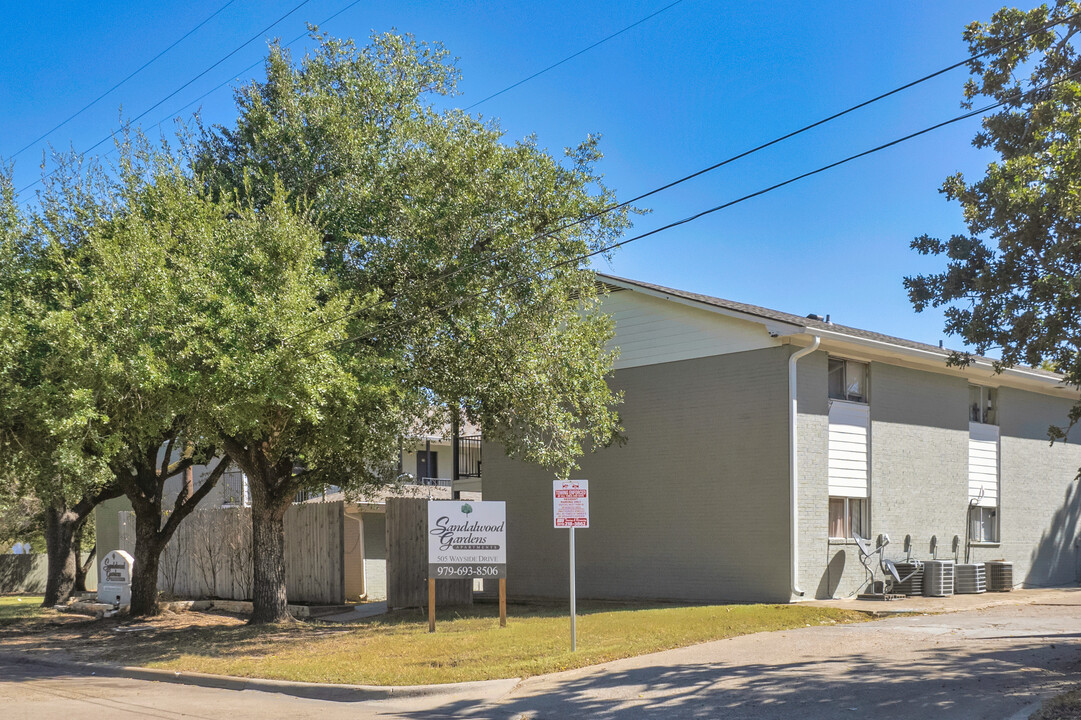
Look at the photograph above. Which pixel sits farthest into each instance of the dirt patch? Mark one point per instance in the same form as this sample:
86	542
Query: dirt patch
1066	706
78	637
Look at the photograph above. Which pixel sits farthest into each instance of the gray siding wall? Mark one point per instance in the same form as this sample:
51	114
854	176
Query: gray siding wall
375	555
107	526
919	478
693	507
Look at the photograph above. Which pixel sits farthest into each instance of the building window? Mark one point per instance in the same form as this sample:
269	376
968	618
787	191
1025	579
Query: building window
982	403
847	380
847	516
234	489
984	524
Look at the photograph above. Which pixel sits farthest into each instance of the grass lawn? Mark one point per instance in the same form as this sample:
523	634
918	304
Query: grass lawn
20	607
398	650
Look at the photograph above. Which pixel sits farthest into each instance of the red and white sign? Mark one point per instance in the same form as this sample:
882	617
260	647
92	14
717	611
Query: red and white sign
571	503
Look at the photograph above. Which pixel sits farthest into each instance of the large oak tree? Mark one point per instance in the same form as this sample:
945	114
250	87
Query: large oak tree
454	257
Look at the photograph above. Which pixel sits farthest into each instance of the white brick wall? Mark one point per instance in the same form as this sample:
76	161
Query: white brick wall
919	480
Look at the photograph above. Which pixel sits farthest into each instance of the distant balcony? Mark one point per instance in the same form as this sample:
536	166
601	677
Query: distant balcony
469	456
431	482
234	489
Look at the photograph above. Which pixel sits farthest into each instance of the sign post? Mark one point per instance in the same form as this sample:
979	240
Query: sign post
467	540
570	509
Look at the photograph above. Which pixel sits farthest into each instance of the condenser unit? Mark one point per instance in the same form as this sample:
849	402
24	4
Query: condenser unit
937	578
999	575
913	585
969	578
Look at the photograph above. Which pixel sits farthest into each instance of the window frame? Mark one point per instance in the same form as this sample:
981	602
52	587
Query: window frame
845	362
863	514
986	393
996	525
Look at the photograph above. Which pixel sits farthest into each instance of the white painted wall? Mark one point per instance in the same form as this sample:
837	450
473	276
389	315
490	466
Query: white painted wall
650	330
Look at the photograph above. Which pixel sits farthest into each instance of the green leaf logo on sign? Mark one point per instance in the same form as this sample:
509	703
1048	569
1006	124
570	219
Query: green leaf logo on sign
467	508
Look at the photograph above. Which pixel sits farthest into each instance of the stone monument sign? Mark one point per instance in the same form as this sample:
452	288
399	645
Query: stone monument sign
114	582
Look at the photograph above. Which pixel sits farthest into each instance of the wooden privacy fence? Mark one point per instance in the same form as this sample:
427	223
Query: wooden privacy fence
407	559
23	573
210	555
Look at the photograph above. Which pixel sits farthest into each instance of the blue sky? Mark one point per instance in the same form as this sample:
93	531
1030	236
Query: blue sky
695	84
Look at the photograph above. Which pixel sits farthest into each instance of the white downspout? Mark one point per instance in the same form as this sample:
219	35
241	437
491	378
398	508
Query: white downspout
793	408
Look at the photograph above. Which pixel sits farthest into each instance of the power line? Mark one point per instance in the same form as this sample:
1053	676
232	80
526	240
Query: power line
158	104
142	67
674	183
691	218
571	57
225	82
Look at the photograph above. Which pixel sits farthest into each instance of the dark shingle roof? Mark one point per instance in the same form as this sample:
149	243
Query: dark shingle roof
799	320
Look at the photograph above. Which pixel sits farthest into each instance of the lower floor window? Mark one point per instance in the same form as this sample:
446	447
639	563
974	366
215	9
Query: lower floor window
847	516
984	524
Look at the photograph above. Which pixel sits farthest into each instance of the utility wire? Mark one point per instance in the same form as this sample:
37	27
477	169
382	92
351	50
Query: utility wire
158	104
690	218
142	67
571	57
235	75
674	183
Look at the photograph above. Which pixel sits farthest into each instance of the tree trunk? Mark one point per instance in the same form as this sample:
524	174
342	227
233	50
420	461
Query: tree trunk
61	526
273	486
145	488
269	602
144	571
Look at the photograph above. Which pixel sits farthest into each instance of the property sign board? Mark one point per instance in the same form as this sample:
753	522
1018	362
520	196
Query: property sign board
467	539
570	503
114	581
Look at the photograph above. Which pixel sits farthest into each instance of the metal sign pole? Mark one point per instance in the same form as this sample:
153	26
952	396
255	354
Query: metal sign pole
574	631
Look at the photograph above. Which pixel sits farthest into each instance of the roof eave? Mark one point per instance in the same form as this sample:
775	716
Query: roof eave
937	360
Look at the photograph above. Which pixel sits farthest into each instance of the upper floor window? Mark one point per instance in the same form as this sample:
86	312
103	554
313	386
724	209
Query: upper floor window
982	403
983	523
847	380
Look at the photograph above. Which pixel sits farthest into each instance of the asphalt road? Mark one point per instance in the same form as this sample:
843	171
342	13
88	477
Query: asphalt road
986	664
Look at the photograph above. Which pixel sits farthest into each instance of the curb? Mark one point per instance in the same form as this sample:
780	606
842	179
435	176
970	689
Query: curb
311	691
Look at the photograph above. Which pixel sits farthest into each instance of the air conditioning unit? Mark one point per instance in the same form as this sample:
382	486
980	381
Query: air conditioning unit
937	578
914	584
999	575
969	578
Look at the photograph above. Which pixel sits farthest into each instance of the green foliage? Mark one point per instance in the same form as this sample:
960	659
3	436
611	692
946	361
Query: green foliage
1014	281
21	520
46	420
452	250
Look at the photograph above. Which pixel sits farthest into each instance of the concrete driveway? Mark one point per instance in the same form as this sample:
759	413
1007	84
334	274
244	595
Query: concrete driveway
986	663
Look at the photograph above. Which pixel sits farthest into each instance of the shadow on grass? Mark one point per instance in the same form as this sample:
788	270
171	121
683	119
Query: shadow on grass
209	635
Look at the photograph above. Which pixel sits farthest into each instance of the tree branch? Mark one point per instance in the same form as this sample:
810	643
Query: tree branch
88	502
168	455
184	506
